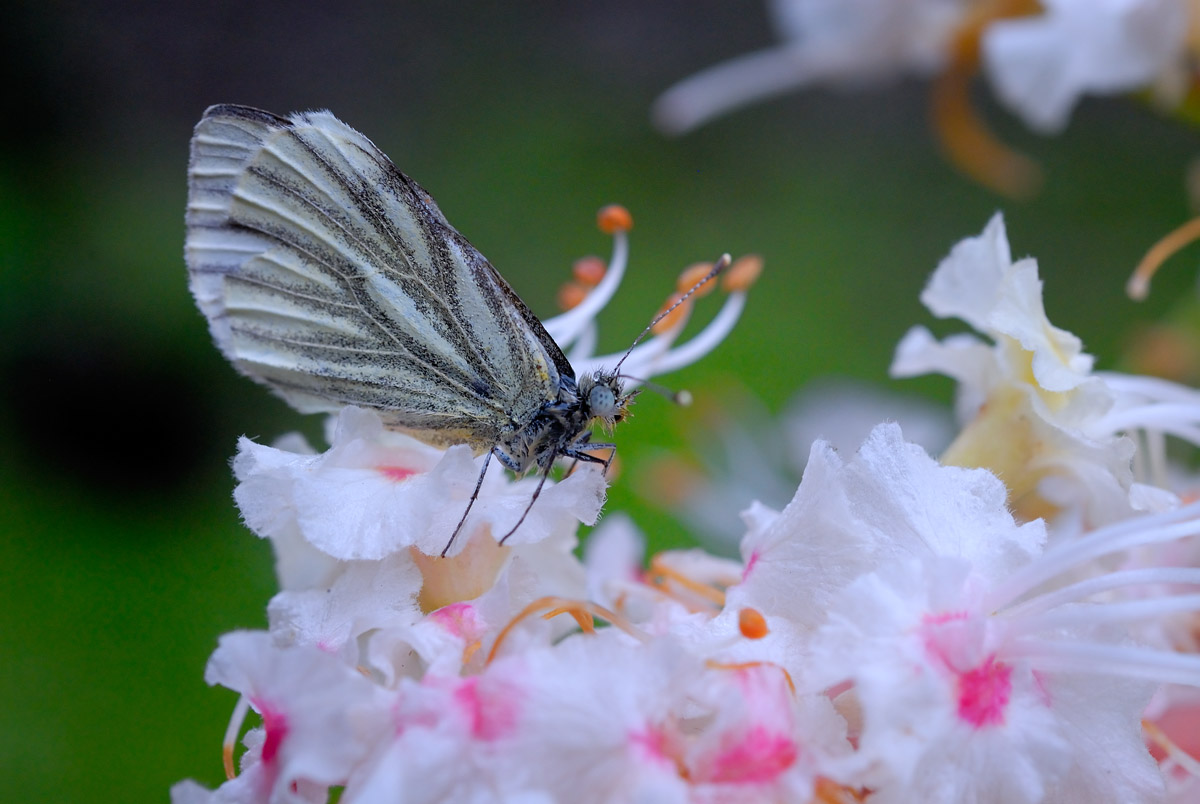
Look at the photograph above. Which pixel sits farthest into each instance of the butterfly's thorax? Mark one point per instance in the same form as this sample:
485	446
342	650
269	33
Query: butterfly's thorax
562	427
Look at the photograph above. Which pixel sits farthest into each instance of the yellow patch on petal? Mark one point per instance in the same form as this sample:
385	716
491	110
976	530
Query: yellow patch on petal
464	576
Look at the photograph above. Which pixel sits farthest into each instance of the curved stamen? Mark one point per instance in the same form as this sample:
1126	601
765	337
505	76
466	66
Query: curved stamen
1155	387
659	574
1180	420
1103	583
1113	660
566	327
585	344
1102	613
581	610
1123	535
713	664
724	87
965	139
704	342
1138	286
231	733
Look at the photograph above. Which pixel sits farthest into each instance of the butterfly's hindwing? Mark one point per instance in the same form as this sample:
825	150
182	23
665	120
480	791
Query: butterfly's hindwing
333	278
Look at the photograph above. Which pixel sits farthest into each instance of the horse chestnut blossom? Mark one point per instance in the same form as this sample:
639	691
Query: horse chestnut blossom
1015	625
1032	409
1041	58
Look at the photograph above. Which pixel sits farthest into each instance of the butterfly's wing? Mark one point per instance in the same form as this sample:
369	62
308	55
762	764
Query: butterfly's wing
331	277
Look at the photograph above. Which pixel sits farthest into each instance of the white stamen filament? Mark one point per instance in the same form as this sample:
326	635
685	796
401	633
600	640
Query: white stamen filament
1160	666
235	724
1150	387
730	85
1173	418
1085	614
1103	583
566	327
704	342
640	357
584	346
1123	535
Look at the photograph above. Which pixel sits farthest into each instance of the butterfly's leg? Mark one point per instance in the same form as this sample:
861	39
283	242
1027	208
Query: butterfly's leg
474	496
586	458
533	499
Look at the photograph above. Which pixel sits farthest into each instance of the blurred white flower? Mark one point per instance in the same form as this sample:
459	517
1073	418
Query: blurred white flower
746	455
824	41
1040	66
1032	409
1040	57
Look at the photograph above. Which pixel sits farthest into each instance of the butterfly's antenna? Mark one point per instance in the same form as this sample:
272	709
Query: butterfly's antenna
682	398
717	268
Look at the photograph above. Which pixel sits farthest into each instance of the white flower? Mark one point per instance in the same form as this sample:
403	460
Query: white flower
612	720
825	41
375	492
748	457
1041	66
1032	409
912	582
888	502
952	704
320	719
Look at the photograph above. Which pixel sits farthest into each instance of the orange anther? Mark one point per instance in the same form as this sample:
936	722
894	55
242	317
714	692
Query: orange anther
827	791
752	624
571	295
675	318
589	270
742	274
1139	284
693	274
227	761
614	218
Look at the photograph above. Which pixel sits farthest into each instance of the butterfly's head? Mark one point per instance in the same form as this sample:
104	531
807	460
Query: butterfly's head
603	398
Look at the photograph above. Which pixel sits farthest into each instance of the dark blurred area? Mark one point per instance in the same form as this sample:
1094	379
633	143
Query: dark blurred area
123	554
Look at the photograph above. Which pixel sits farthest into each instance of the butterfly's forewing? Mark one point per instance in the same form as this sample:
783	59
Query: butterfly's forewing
333	278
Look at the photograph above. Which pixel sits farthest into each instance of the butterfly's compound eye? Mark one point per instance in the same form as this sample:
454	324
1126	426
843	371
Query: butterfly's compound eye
602	401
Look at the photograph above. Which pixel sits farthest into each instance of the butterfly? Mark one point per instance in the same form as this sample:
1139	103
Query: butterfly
331	277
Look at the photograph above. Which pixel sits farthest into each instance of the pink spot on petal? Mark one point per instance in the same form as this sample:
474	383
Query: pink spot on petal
275	723
460	619
492	713
396	473
759	756
654	746
984	692
750	565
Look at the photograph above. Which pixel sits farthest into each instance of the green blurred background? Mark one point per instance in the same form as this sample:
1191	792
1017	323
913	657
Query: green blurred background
122	554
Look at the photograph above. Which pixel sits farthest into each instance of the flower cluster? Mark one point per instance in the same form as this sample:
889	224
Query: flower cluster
1013	623
1041	58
